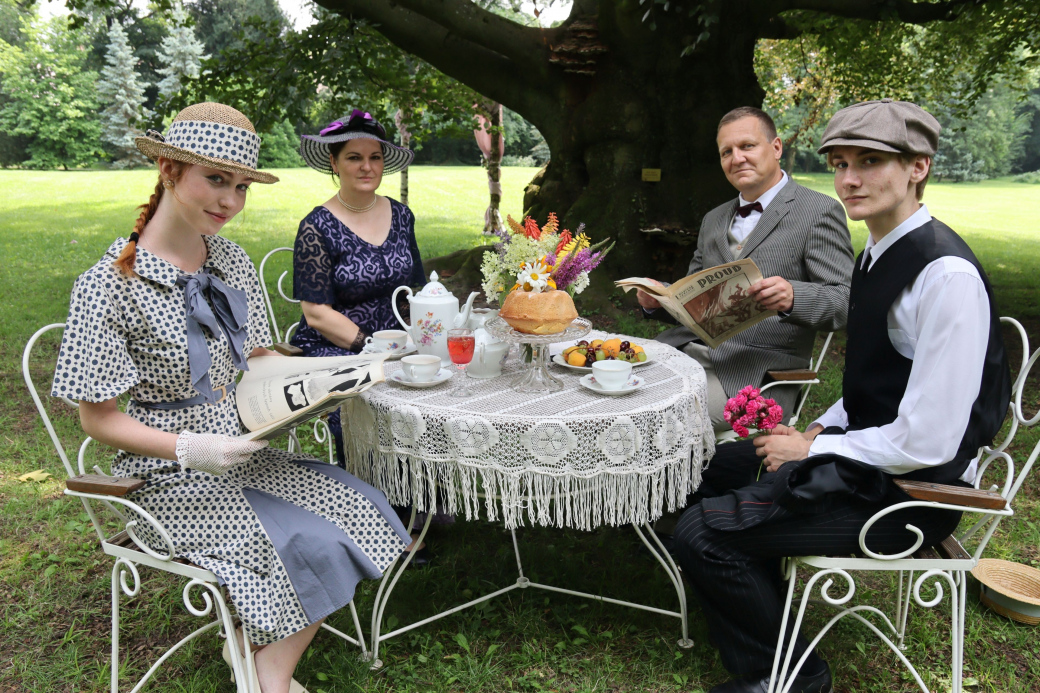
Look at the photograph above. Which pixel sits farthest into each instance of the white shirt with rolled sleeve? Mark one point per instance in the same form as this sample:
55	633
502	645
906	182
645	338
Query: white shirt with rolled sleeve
941	322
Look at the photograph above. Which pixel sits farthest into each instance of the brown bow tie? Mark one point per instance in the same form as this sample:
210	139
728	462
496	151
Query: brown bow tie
745	210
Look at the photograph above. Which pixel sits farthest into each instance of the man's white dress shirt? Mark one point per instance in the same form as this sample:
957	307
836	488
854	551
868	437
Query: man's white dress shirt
941	321
742	227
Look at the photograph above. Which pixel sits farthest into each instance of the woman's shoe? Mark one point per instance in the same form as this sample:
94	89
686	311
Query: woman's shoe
294	685
226	654
421	559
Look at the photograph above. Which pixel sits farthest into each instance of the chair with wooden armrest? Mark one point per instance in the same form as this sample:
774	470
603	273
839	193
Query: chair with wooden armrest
947	562
803	378
100	492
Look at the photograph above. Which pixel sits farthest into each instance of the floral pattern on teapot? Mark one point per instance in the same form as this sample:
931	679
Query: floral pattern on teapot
429	329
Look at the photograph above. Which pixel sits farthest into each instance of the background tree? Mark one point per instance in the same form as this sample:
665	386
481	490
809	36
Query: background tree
281	147
122	91
49	107
181	54
229	24
800	94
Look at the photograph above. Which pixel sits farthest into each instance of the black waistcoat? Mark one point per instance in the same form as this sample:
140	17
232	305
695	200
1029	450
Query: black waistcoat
876	374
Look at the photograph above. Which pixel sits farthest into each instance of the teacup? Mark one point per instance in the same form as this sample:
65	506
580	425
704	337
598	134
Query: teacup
611	375
420	368
387	340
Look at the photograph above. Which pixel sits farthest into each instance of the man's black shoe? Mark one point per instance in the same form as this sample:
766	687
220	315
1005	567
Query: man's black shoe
667	540
820	683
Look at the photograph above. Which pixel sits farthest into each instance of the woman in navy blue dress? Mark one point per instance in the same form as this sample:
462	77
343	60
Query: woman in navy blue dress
352	251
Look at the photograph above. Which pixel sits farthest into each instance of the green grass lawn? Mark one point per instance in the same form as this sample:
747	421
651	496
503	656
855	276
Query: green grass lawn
54	580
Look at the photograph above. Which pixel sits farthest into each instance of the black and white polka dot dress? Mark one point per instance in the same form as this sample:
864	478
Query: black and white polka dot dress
290	536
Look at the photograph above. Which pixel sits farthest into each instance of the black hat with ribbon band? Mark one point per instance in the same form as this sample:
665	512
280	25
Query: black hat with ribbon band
315	149
209	134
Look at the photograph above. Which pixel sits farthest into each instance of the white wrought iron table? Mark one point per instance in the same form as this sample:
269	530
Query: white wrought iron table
570	458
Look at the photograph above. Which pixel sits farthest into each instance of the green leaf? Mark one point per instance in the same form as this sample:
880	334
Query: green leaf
321	677
51	569
462	641
491	648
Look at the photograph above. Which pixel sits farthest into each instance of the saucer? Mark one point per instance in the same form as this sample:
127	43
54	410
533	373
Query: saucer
633	384
442	375
393	355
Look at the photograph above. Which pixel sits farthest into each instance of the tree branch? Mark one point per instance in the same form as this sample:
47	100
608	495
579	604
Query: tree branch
776	28
490	65
875	10
458	19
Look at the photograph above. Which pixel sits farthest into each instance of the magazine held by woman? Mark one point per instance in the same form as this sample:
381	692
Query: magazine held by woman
280	392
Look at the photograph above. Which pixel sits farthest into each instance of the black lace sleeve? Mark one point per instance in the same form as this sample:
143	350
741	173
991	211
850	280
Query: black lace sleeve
312	266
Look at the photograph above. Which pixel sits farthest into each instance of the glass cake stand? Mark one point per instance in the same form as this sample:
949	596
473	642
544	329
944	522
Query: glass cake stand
534	376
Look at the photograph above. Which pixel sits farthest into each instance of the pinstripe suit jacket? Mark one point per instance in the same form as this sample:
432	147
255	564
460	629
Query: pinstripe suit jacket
803	237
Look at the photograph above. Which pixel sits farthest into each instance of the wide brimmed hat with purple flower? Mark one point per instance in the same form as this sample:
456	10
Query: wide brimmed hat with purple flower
360	125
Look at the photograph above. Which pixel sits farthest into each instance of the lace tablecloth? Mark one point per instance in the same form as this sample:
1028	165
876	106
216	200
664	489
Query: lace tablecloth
570	458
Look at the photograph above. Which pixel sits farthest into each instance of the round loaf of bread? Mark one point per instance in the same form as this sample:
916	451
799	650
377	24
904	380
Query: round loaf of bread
546	312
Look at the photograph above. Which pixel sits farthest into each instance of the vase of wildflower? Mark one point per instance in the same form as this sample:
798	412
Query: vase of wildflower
567	258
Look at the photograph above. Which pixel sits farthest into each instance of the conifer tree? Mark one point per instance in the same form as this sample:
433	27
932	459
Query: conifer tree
181	54
123	94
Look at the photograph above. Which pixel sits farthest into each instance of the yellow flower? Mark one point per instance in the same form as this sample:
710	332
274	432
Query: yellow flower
579	243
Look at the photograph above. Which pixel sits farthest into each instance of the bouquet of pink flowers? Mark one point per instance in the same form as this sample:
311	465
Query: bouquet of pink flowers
749	409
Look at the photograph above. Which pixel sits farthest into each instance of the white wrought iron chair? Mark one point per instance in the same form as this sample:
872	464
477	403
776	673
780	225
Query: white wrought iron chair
320	426
99	491
947	562
278	285
802	378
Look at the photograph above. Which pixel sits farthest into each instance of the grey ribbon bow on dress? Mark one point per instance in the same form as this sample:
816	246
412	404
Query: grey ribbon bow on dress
229	314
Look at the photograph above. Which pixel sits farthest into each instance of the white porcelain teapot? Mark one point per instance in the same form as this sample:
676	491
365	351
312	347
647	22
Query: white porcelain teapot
435	310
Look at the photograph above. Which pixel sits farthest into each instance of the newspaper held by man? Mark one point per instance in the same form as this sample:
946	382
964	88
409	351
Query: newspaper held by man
280	392
714	304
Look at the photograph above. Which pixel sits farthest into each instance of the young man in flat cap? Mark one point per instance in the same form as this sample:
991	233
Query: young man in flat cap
926	384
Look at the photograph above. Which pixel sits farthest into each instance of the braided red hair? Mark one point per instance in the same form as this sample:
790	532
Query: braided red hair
126	259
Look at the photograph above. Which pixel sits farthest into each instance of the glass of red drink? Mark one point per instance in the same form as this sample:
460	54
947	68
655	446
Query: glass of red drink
461	344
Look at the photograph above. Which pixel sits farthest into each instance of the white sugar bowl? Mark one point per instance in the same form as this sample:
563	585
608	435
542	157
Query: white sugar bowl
488	358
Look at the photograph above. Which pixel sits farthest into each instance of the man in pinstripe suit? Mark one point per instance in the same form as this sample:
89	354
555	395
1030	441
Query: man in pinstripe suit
926	383
800	241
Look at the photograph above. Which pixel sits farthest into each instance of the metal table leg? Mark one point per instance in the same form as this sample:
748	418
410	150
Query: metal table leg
393	574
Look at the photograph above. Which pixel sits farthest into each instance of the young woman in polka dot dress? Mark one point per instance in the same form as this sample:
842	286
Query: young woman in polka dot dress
169	316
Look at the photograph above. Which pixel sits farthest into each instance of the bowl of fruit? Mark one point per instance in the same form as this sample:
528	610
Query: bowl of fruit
581	356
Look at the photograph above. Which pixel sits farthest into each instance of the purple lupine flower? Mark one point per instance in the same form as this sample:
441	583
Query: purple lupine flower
570	268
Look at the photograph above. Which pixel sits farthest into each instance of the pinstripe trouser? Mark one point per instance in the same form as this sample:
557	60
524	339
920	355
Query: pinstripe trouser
736	574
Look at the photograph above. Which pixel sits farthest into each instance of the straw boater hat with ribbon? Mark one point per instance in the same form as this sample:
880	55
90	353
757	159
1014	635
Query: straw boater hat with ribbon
315	149
209	134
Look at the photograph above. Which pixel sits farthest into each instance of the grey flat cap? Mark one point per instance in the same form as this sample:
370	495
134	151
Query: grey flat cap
885	125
